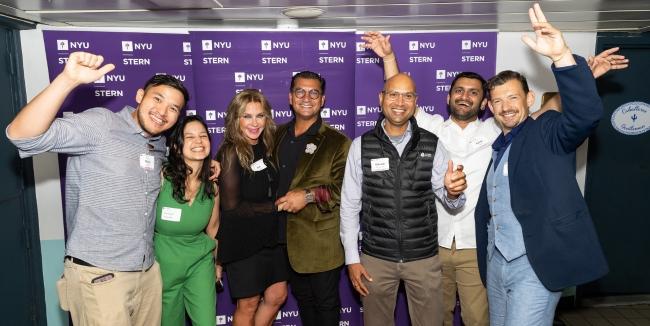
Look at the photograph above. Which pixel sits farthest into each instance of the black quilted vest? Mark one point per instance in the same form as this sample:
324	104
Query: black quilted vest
398	214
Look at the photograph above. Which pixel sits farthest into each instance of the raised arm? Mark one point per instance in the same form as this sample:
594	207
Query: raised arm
380	44
37	116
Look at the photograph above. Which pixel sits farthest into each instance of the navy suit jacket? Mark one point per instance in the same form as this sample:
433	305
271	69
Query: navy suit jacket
559	235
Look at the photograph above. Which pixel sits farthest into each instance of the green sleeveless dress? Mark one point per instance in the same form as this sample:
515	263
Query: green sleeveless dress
184	252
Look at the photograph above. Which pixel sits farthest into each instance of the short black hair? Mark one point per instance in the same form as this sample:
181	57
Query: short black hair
469	75
308	75
168	80
506	76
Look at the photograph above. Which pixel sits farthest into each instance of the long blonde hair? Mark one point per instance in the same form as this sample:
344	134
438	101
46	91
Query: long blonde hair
234	138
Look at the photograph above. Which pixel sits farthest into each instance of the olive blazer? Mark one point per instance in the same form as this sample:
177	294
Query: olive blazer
313	240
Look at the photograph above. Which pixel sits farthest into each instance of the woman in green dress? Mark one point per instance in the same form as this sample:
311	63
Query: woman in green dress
186	225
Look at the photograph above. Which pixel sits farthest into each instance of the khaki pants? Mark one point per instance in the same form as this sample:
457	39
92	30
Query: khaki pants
460	273
423	291
126	298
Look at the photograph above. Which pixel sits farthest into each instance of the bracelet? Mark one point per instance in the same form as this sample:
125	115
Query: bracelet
562	56
309	196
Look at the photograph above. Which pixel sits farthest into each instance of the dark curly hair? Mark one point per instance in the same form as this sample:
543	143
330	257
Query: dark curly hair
176	170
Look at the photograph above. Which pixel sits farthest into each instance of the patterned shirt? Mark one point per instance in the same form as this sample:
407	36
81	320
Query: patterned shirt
111	184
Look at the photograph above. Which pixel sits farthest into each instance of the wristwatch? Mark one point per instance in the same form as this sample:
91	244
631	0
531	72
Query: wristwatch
309	196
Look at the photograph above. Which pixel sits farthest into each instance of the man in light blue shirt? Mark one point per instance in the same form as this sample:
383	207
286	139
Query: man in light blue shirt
112	181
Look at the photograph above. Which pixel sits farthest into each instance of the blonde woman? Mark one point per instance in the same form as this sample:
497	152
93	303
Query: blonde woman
253	258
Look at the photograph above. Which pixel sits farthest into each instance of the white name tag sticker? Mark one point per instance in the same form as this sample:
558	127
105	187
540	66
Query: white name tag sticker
258	165
379	164
505	169
147	161
171	214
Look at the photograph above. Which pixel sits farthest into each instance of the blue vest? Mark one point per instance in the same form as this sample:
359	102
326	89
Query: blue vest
504	230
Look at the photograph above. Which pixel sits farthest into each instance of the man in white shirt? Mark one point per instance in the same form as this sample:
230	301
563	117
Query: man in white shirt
468	141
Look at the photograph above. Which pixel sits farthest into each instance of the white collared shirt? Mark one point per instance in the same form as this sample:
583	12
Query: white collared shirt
471	147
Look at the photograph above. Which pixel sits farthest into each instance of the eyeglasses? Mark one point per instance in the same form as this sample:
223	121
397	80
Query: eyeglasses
395	95
300	93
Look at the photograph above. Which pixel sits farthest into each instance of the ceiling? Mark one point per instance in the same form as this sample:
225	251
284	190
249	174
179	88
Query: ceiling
568	15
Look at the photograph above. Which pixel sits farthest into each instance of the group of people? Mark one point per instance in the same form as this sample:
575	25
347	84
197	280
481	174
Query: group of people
294	203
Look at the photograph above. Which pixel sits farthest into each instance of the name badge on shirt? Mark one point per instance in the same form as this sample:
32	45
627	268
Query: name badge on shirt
379	164
147	161
258	165
171	214
505	169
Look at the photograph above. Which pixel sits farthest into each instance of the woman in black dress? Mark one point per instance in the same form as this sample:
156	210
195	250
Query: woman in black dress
253	258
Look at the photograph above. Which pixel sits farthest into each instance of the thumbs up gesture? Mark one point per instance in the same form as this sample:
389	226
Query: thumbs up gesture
84	67
455	182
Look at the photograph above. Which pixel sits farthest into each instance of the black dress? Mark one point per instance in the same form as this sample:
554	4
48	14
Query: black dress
248	230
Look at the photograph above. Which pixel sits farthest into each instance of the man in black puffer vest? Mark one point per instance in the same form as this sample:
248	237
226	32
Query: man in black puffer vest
391	177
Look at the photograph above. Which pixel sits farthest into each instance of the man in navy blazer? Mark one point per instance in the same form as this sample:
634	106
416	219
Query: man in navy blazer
534	232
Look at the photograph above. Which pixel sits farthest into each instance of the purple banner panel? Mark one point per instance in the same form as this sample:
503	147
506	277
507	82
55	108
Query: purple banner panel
227	62
136	56
431	59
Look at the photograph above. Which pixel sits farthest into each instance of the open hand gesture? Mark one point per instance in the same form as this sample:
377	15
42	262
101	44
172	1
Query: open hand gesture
605	61
379	43
548	40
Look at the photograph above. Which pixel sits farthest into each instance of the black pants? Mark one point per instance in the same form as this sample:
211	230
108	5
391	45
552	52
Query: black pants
317	295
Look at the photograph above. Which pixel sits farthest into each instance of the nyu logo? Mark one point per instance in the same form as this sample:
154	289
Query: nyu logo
127	46
223	319
361	46
190	112
242	77
469	44
62	45
325	113
325	45
65	45
208	45
268	45
416	45
440	74
363	110
187	47
111	78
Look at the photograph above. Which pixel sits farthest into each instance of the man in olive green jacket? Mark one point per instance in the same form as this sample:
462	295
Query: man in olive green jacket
311	156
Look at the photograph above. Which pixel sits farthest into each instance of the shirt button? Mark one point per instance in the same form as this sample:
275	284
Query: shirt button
145	214
284	165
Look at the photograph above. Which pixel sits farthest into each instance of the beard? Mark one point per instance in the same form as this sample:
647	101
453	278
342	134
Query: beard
461	114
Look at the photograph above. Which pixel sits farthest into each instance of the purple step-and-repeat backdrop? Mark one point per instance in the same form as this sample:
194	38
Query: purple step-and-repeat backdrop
215	65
